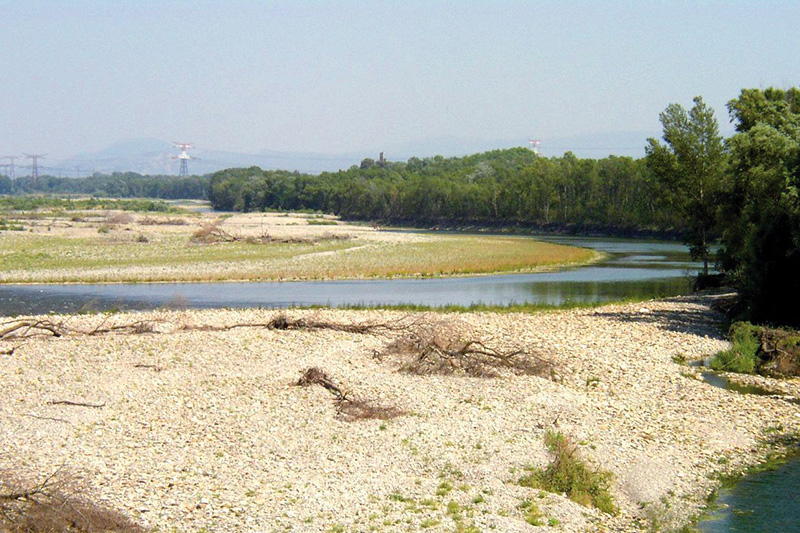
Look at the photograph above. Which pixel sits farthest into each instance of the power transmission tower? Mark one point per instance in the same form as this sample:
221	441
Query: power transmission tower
35	165
11	158
184	158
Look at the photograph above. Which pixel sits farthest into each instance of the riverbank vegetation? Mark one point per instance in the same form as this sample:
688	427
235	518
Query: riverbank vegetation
767	351
498	188
745	190
740	192
115	185
62	243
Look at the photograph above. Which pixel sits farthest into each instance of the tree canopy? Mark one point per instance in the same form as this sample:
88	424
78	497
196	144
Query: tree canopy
760	214
690	166
501	187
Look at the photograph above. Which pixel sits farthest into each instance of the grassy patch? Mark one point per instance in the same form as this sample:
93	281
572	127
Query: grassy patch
531	513
38	202
743	355
114	255
568	474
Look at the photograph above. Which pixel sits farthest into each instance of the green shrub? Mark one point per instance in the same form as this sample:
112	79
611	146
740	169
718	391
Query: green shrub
743	354
568	474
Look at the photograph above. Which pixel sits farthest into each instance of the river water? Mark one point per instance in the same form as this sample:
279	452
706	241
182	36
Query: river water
760	503
634	269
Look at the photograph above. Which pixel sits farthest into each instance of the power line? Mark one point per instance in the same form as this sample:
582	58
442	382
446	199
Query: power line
10	166
34	164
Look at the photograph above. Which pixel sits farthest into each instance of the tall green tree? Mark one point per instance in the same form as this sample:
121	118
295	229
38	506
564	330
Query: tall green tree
690	166
761	209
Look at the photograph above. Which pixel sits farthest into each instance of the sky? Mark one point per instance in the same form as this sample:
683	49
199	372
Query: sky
335	77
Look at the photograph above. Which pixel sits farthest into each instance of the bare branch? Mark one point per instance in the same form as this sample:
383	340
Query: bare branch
76	404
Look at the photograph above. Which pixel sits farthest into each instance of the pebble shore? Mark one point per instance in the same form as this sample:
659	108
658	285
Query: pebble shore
206	429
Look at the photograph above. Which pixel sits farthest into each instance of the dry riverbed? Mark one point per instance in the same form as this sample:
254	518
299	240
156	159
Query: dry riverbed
193	424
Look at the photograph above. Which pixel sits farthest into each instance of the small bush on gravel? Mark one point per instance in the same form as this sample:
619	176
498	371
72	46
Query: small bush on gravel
743	355
568	474
760	349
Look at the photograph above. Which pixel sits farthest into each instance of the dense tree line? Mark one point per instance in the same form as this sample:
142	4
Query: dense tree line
116	185
503	187
746	189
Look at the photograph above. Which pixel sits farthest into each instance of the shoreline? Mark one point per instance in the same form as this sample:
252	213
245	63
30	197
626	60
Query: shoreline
220	437
597	257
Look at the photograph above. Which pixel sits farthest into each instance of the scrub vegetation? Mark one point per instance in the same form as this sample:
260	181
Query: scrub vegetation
59	245
569	474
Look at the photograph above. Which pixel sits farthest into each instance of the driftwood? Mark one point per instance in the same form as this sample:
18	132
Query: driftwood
348	406
436	348
26	328
283	322
54	505
76	404
781	351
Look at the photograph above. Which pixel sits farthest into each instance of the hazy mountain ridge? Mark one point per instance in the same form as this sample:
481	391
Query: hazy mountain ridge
155	156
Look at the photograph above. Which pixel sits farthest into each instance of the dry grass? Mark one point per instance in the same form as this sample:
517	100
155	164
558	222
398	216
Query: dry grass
162	221
114	219
286	251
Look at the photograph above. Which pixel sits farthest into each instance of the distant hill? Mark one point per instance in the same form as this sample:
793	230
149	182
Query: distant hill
155	156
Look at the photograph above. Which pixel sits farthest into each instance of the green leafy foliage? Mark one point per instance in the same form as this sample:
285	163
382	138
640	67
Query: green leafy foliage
115	185
690	166
568	474
743	354
761	206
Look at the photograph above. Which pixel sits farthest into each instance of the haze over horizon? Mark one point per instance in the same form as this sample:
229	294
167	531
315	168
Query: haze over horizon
357	77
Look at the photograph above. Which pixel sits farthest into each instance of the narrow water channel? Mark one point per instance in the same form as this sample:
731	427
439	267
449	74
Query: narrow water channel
634	269
764	502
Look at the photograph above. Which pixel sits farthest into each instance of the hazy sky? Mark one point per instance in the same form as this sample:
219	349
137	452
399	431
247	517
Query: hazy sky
342	76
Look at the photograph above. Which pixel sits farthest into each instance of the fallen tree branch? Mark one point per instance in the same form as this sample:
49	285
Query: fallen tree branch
35	326
10	351
25	494
76	404
49	507
282	322
437	348
348	407
154	368
54	419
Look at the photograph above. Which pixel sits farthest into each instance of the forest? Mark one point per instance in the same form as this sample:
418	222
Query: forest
116	185
512	187
742	193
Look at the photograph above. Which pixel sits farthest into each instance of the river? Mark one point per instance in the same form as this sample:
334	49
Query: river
634	269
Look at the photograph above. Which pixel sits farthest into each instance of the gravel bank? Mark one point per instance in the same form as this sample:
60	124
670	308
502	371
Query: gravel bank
206	429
